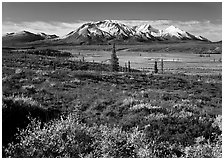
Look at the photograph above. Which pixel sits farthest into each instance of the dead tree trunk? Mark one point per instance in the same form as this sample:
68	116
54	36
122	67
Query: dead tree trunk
155	67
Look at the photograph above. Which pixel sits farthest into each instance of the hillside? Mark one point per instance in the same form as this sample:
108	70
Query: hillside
25	37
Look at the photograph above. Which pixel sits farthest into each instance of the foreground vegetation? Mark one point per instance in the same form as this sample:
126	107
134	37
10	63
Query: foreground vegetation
80	109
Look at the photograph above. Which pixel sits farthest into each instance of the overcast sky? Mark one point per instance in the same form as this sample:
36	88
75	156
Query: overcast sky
204	18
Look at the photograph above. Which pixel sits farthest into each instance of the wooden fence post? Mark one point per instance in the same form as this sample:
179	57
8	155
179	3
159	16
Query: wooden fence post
101	67
125	67
162	65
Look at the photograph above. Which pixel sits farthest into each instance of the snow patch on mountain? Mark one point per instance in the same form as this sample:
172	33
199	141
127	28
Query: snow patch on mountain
147	29
173	31
47	36
20	33
114	28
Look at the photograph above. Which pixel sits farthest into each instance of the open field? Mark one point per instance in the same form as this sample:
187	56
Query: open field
173	62
177	57
84	110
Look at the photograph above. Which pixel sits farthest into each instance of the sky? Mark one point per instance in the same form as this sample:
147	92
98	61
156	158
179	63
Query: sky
198	18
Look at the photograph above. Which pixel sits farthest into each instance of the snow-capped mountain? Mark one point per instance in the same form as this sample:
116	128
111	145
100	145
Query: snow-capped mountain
105	32
174	33
102	31
21	37
147	32
25	36
147	28
115	28
87	33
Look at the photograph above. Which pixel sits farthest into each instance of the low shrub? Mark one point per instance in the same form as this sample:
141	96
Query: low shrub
15	113
58	138
205	150
68	137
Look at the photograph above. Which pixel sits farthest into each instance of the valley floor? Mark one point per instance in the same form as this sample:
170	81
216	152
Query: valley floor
69	108
184	58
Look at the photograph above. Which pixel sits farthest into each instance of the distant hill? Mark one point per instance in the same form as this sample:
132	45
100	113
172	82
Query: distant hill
25	37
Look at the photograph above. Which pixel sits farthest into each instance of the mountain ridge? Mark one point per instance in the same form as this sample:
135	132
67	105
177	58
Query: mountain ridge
108	31
112	31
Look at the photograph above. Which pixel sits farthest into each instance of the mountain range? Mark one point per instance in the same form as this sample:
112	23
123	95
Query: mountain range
105	32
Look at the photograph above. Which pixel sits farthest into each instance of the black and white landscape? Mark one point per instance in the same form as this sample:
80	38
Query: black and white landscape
78	84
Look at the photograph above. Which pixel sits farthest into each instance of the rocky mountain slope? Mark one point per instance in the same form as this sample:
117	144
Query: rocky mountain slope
105	32
108	30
